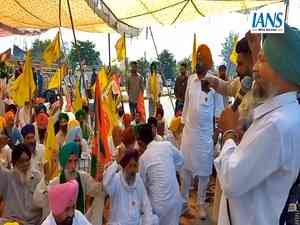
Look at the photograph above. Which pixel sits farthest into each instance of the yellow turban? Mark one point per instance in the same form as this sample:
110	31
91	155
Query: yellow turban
11	223
73	124
175	124
203	52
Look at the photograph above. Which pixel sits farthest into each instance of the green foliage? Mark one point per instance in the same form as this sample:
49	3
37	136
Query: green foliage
38	48
167	64
228	46
88	54
143	67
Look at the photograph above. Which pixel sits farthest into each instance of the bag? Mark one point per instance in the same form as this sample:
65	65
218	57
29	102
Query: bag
291	212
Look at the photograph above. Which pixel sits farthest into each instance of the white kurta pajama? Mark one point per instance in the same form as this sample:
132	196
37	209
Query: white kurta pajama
130	205
256	175
157	166
79	219
197	138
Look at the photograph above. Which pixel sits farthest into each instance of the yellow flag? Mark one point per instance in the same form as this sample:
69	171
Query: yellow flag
23	88
103	79
234	55
57	77
194	55
51	152
52	52
154	86
121	48
77	104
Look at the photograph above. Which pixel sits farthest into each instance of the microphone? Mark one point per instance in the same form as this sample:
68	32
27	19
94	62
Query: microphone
246	85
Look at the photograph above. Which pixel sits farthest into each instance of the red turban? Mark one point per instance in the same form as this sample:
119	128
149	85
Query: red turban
42	120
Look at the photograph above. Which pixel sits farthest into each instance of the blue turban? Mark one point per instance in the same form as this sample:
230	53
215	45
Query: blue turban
27	129
282	52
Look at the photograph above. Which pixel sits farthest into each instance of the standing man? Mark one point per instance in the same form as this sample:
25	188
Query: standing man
180	87
199	110
134	85
62	202
61	136
157	166
257	174
154	88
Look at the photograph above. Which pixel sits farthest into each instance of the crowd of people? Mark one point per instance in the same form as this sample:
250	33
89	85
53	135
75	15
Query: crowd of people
253	149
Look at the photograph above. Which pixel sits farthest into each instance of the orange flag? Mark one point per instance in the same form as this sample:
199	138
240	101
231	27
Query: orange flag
141	106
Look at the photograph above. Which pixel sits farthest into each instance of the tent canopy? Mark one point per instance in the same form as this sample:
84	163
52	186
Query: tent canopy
119	15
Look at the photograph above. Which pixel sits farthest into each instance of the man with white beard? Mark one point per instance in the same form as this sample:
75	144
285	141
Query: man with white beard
257	174
17	187
68	159
130	204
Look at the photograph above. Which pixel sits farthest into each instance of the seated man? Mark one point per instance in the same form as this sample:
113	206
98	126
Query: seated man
62	202
129	200
17	187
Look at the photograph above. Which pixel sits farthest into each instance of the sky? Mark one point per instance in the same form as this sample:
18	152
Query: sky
178	38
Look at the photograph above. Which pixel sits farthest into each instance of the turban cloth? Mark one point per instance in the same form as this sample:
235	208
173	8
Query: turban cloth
63	117
17	151
70	148
73	124
80	114
9	116
27	129
127	119
42	120
204	55
129	154
128	136
282	52
74	134
62	196
11	223
175	124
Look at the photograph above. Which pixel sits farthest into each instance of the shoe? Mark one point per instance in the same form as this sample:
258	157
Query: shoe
202	212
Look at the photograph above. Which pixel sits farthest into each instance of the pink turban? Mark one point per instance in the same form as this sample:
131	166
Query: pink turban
62	196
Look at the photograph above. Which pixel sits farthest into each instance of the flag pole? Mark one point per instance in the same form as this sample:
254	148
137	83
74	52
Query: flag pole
109	52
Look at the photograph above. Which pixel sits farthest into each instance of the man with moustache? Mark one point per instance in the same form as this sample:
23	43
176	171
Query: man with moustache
130	204
17	187
37	150
257	174
62	202
68	159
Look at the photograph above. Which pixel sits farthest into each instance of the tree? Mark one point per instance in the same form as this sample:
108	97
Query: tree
38	48
167	64
143	67
228	47
188	62
87	52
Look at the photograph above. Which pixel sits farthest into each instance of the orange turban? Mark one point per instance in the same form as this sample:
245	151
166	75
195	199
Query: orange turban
203	53
9	116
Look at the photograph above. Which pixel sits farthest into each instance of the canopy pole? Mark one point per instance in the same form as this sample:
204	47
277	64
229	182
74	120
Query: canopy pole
77	49
163	77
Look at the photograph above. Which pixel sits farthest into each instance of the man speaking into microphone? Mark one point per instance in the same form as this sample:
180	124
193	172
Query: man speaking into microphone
256	175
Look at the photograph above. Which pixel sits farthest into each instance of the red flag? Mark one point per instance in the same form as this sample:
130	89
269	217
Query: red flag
141	106
100	150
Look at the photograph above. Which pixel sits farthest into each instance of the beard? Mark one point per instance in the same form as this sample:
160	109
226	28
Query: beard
23	176
130	178
70	175
42	134
67	221
263	90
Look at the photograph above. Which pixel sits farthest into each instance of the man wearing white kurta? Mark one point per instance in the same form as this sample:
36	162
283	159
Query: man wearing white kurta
200	106
130	204
157	167
257	175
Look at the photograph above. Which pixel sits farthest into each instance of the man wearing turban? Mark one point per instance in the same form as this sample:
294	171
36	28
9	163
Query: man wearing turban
10	130
37	150
61	136
41	125
199	112
62	203
257	174
81	116
69	156
17	187
129	200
